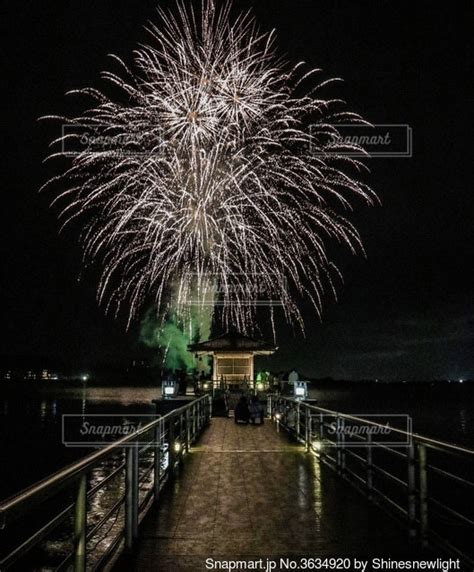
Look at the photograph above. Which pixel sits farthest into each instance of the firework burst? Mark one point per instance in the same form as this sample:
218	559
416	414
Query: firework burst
204	177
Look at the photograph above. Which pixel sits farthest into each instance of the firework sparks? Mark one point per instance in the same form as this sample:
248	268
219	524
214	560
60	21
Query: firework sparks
207	172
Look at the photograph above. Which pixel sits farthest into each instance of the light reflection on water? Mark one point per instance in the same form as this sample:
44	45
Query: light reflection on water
464	420
30	430
30	426
122	396
444	411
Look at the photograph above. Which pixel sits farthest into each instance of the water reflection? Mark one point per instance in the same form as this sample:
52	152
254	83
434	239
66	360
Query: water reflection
463	419
43	410
124	396
443	411
48	411
30	426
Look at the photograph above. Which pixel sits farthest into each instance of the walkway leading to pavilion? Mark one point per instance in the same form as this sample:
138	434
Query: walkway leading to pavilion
246	492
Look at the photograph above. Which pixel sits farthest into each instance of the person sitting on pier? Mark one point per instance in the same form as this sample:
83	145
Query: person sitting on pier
241	413
256	411
291	421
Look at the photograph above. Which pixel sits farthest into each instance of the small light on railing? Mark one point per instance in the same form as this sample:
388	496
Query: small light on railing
206	386
260	386
177	447
317	446
278	416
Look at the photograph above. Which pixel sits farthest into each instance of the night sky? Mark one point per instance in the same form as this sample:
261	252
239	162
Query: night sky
407	311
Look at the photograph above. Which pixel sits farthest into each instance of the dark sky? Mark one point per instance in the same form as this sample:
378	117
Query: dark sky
405	312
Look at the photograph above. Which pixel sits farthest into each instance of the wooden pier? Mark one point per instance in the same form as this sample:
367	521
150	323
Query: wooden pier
247	492
188	487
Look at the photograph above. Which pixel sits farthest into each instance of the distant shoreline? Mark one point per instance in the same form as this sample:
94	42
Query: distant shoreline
120	382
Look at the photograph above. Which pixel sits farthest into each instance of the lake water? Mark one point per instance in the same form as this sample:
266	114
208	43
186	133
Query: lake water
31	417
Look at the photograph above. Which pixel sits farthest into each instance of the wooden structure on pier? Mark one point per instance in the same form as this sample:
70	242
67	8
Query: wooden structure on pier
233	356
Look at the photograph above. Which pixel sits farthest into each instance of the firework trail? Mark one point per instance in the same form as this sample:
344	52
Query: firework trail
203	178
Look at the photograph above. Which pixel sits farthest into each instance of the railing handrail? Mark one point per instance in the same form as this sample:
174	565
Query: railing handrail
12	507
420	438
415	498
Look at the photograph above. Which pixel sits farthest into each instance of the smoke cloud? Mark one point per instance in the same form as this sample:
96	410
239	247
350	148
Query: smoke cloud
172	336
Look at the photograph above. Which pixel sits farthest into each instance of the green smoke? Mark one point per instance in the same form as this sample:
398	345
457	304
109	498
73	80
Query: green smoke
172	336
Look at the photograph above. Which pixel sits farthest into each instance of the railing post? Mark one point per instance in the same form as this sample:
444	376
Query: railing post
338	444
187	429
131	498
308	429
171	450
343	446
210	409
80	526
423	494
411	481
321	433
369	478
298	421
157	461
194	422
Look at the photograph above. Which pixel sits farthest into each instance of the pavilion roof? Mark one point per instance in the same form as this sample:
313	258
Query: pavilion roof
233	342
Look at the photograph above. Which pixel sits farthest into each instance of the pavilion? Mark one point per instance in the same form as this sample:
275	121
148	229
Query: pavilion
233	356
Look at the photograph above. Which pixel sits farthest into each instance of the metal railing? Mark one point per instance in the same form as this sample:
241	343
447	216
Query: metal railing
426	483
243	385
92	508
